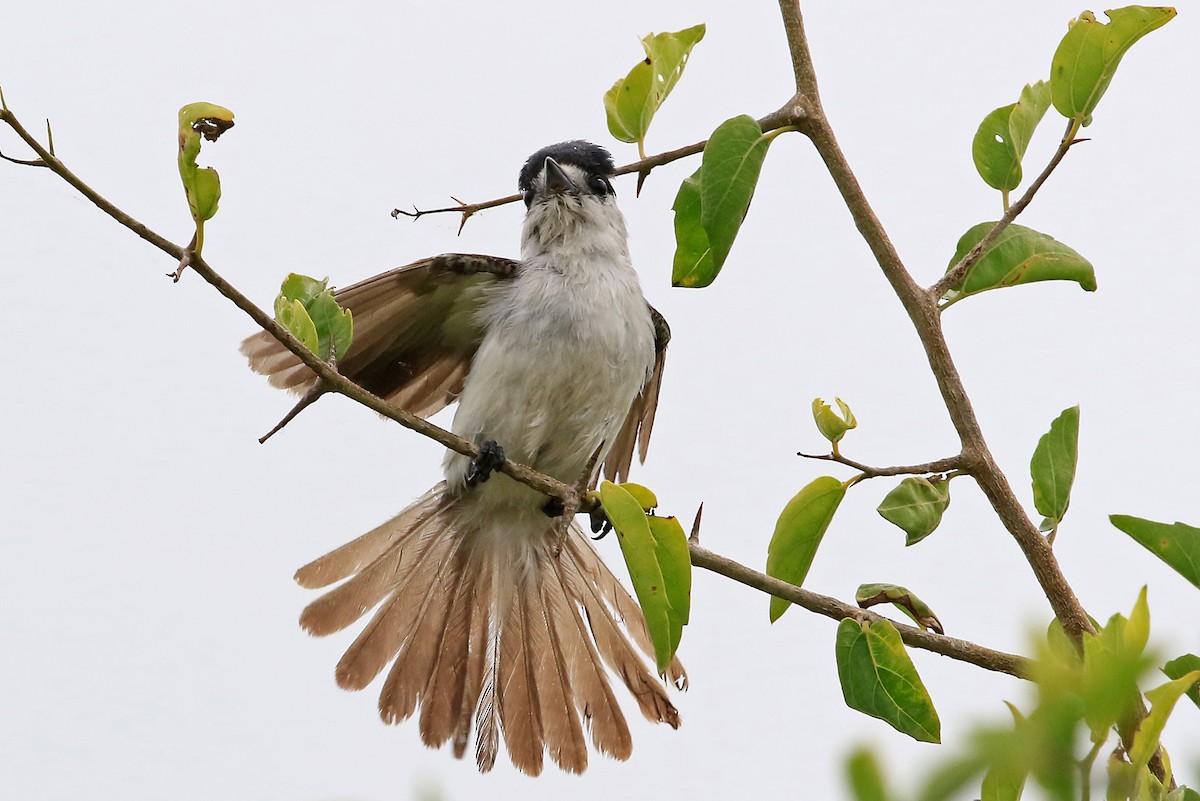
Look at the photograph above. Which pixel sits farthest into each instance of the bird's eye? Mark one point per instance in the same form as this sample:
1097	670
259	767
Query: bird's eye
600	185
528	198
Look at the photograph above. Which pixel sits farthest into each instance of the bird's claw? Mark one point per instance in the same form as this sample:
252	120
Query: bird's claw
490	458
601	525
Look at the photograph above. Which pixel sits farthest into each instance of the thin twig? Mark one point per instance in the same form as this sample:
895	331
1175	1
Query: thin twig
962	650
773	121
946	465
955	274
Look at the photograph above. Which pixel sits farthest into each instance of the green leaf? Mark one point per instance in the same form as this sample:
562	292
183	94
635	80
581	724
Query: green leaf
1002	783
1088	55
302	287
1053	467
878	679
1178	545
869	595
202	185
916	505
1182	793
733	159
1137	627
335	325
693	263
292	315
1000	142
1019	255
633	100
1162	702
671	549
642	495
866	776
1179	667
639	549
832	426
798	533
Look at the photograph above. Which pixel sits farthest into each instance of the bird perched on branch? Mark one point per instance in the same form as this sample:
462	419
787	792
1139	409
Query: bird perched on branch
493	624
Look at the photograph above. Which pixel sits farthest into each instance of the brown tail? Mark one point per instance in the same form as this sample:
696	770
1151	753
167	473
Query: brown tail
508	640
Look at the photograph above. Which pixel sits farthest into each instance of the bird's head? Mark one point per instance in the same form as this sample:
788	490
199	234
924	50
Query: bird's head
568	193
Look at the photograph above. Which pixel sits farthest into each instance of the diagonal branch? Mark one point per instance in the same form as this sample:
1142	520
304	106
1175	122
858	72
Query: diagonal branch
330	378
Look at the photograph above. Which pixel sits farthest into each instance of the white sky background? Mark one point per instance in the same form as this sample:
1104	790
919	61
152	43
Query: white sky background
148	639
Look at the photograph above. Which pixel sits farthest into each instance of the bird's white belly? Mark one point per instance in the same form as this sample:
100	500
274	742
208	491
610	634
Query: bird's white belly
553	378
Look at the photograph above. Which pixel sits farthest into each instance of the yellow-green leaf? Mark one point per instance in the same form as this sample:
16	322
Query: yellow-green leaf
832	425
642	495
879	679
675	561
1088	55
632	101
292	315
202	185
798	533
866	776
1162	701
639	549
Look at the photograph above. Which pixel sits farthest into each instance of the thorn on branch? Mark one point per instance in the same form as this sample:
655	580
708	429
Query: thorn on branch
694	537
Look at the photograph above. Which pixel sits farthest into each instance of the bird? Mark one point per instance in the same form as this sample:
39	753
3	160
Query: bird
496	626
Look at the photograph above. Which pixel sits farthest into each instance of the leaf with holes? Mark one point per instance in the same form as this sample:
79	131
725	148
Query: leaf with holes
1019	255
798	534
1000	142
201	184
632	101
1089	53
878	679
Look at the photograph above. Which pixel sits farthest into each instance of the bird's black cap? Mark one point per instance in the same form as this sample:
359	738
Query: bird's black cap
592	159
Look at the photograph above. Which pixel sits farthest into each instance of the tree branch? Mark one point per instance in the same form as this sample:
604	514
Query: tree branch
961	650
940	466
331	378
773	121
922	310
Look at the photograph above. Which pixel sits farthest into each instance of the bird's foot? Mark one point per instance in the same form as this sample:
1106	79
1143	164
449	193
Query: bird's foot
490	458
601	525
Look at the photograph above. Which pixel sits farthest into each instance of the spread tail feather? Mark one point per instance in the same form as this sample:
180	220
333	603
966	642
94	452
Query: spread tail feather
489	632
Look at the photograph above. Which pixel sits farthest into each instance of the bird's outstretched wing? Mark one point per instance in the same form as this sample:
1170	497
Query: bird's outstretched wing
415	332
640	420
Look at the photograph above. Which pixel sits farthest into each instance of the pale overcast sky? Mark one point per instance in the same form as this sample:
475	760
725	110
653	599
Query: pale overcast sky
148	639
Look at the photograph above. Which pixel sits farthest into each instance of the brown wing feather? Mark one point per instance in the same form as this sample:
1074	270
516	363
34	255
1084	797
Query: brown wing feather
415	332
635	431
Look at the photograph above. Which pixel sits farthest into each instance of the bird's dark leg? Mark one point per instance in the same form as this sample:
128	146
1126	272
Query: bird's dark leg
491	457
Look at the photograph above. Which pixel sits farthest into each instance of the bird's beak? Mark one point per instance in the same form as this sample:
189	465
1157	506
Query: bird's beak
556	179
